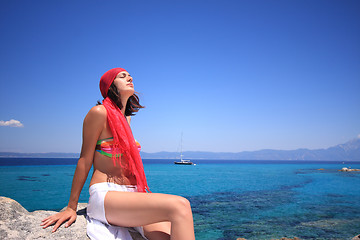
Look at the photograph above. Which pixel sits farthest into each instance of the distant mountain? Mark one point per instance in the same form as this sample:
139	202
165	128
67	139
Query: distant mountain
349	151
38	155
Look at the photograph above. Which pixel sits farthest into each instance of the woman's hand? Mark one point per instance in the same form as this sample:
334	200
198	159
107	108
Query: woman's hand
60	217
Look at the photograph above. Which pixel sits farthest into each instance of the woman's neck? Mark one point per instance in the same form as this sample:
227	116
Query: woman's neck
123	103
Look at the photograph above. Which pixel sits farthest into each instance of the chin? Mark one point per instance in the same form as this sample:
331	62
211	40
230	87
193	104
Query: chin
127	92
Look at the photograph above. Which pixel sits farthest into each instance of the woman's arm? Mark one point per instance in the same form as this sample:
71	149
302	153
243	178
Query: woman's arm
92	127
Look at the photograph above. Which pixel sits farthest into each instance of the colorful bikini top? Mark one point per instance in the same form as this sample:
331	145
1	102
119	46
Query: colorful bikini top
104	146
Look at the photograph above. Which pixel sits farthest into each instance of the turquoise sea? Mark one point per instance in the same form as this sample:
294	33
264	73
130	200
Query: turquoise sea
230	199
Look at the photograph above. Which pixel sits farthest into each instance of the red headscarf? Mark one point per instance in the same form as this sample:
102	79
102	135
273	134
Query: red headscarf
107	79
124	142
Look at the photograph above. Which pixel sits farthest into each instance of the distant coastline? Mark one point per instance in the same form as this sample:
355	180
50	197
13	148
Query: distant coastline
349	151
38	155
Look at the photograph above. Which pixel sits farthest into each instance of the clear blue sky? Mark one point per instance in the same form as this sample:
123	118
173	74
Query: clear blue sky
231	75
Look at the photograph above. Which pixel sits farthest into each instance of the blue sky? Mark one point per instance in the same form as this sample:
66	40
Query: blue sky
231	75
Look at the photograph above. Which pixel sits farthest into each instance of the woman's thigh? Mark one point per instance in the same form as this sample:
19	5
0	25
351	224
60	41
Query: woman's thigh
158	231
130	209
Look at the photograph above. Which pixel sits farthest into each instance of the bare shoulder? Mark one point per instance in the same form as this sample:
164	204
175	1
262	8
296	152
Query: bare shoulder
98	110
97	113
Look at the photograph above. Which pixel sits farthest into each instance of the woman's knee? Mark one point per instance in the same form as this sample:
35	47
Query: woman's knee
181	208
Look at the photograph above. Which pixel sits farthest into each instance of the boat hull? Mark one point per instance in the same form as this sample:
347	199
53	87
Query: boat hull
183	163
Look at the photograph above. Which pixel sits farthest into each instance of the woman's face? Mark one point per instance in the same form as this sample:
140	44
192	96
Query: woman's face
124	83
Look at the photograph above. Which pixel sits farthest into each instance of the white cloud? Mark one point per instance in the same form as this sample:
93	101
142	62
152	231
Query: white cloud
359	136
11	123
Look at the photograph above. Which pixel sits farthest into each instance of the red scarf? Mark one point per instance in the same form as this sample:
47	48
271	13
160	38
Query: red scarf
124	143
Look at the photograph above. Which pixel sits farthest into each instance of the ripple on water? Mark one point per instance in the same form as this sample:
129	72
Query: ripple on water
258	215
27	178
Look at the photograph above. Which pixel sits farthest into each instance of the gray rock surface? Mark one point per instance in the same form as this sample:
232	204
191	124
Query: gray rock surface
356	237
349	170
17	223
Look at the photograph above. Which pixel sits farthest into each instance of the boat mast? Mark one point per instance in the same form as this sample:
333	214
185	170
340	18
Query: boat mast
181	155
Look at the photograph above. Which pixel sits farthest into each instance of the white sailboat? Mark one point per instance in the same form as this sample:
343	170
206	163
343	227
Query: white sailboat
183	161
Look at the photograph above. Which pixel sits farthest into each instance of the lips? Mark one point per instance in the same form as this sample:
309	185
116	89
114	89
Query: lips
130	85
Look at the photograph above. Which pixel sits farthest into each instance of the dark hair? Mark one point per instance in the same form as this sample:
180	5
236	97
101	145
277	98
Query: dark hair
132	104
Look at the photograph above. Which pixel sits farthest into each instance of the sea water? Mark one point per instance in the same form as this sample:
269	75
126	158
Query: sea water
230	199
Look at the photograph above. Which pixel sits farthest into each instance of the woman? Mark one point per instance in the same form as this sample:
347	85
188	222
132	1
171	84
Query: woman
118	185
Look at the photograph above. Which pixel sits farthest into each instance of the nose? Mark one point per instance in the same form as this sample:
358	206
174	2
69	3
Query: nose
130	79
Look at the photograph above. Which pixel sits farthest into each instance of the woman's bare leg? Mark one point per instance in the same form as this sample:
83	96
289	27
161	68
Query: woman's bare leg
158	231
130	209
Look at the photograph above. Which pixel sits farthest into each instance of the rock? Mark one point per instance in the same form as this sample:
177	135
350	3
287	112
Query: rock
349	170
356	237
17	223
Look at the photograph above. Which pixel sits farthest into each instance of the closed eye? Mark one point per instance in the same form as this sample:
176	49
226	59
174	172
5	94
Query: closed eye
124	75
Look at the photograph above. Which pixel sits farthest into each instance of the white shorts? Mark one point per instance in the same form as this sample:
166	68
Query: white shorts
95	208
97	225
